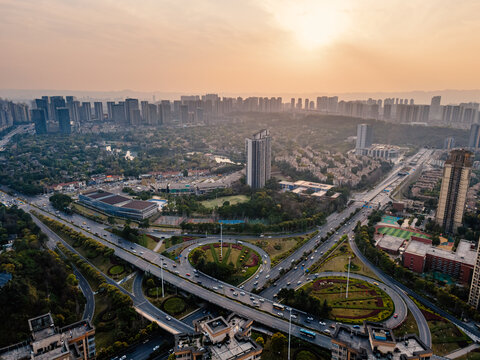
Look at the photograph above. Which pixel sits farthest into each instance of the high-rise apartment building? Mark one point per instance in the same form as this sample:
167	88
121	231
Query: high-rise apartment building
40	121
132	111
118	113
63	117
474	140
453	192
364	138
98	108
474	296
449	143
259	157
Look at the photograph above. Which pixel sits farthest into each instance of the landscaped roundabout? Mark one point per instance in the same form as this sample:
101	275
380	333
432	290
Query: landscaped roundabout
234	263
365	301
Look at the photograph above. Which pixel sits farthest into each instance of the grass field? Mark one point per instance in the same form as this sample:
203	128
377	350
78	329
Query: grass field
147	241
409	326
365	301
401	233
235	199
338	261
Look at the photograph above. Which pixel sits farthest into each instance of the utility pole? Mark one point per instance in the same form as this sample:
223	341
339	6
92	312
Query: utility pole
289	332
348	275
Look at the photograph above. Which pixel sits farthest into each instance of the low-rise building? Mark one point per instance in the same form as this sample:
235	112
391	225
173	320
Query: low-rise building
118	205
421	256
48	342
218	339
376	341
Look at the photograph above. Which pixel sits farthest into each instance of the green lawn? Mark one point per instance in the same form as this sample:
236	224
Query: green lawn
401	233
409	326
338	261
234	199
147	241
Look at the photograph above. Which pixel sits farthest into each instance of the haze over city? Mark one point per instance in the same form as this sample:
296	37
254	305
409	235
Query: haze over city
246	47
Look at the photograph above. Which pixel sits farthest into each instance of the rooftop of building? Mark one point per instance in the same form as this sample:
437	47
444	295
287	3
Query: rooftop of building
114	199
139	205
390	242
465	252
385	345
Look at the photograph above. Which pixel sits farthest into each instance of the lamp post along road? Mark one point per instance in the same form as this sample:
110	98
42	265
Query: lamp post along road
289	332
348	275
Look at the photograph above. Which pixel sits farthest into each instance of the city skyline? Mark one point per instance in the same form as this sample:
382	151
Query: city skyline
267	47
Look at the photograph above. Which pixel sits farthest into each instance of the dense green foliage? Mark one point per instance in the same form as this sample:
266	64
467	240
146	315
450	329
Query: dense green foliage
41	282
61	202
302	300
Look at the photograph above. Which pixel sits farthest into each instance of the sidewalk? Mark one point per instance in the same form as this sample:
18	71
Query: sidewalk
460	352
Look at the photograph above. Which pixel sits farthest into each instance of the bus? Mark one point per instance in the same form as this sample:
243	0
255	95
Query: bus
308	333
278	306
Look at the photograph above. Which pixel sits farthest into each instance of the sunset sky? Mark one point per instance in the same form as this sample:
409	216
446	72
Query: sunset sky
268	46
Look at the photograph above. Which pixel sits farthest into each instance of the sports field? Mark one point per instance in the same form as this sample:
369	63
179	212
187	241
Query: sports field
391	220
235	199
401	233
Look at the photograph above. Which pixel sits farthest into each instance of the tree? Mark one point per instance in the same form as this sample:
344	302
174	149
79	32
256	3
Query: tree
260	341
171	357
111	220
278	342
197	254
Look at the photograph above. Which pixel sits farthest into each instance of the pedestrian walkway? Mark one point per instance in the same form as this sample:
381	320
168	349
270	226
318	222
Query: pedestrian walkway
157	247
460	352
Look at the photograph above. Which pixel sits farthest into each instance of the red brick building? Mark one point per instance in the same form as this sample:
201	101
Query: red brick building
421	256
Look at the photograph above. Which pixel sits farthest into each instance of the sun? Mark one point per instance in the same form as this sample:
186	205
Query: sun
313	23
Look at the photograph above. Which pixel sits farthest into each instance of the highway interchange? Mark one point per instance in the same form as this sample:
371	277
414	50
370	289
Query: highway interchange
229	297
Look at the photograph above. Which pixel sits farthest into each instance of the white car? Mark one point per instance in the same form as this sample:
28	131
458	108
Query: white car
280	314
256	277
242	293
299	282
168	318
322	323
267	277
215	288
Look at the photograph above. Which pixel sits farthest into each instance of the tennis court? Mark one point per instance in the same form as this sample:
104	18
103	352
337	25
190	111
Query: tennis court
392	220
401	233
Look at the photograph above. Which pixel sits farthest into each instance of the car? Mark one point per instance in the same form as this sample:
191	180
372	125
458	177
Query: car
252	298
177	272
235	294
242	293
294	316
288	283
232	289
220	286
188	274
261	271
134	251
326	331
196	275
267	277
131	247
299	282
310	318
141	252
123	357
356	326
174	265
215	288
375	283
275	284
261	300
280	314
295	268
256	277
168	318
323	323
293	260
315	251
311	258
241	287
255	283
395	316
156	348
195	270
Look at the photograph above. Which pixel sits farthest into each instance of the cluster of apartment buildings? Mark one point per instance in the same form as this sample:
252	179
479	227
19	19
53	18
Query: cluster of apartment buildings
12	113
364	145
426	182
218	339
48	342
376	341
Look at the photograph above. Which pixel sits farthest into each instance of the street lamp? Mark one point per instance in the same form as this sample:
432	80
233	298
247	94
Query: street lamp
348	275
163	293
289	332
221	241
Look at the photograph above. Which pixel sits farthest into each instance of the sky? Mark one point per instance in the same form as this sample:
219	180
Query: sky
240	46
